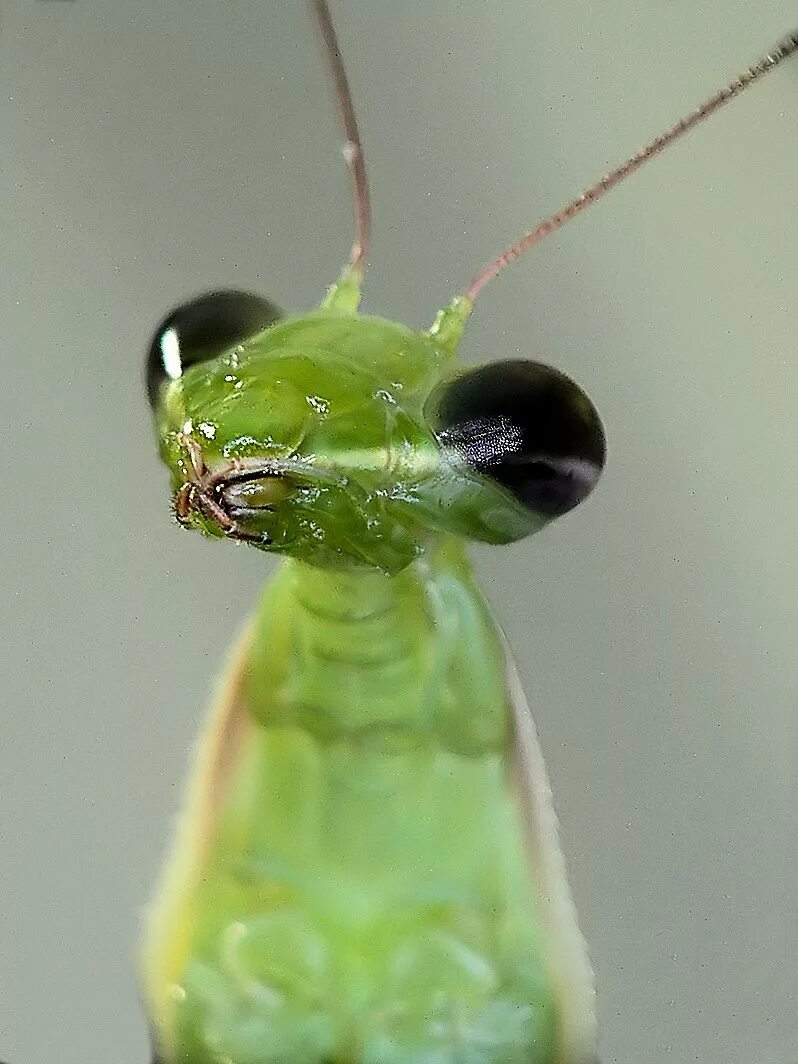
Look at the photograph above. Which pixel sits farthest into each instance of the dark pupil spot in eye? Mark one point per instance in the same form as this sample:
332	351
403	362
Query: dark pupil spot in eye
202	329
526	426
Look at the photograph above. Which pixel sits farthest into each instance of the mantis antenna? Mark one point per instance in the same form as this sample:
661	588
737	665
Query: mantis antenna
353	152
767	63
353	149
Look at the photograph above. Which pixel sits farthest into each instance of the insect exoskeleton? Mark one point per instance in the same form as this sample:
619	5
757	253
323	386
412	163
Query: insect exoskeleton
367	869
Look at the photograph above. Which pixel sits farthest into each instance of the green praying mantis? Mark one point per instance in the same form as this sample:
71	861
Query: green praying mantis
367	868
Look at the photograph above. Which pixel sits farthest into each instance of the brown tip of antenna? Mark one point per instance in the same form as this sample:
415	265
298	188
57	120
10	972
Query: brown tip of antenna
785	48
353	149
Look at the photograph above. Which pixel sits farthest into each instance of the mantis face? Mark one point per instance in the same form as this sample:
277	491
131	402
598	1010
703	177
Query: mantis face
349	441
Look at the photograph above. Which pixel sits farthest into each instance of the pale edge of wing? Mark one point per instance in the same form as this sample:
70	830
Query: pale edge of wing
168	921
569	965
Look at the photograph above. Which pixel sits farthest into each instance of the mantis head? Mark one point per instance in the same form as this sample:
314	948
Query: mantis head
348	441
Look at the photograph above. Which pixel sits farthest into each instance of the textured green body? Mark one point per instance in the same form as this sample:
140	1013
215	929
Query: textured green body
367	898
364	869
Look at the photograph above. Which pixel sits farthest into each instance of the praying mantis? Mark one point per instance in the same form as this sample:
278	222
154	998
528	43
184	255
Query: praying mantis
367	868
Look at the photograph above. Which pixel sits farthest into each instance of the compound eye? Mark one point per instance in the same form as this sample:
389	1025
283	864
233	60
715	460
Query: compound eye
525	426
202	329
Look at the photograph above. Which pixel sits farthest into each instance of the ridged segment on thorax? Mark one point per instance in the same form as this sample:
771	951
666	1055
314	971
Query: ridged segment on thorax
390	662
366	898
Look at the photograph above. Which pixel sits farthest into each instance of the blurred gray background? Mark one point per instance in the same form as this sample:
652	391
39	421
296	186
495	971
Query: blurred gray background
151	150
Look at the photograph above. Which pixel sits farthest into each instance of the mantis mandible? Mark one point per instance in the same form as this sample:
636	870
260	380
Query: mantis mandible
367	868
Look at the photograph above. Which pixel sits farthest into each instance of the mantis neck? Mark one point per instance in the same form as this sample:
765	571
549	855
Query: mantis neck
356	620
363	657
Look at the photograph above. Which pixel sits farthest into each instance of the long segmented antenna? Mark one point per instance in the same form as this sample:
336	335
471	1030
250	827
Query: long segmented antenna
353	149
595	192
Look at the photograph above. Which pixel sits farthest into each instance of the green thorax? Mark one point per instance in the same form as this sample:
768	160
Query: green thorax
366	898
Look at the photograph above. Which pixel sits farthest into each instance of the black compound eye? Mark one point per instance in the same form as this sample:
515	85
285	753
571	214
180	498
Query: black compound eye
202	329
527	427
